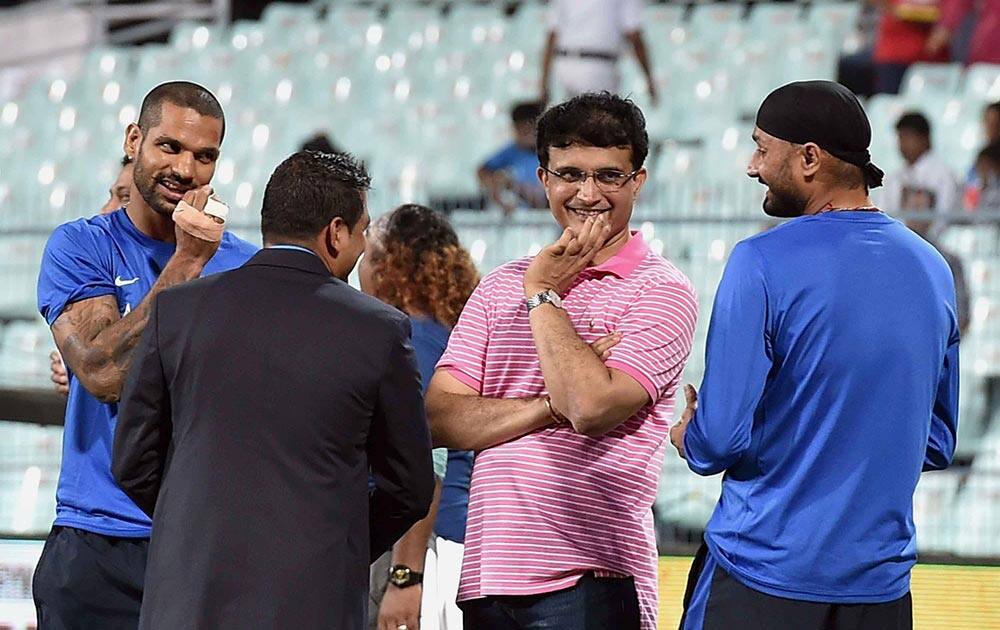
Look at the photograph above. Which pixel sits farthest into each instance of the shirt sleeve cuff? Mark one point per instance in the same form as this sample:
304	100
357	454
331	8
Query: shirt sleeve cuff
52	311
642	379
463	377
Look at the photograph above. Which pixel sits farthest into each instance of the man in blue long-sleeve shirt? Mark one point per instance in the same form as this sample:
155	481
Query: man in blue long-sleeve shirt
831	382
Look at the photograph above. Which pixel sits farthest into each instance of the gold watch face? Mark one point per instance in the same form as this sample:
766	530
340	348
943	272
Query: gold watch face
400	575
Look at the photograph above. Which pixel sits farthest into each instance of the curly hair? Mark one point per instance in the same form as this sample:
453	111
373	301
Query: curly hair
421	267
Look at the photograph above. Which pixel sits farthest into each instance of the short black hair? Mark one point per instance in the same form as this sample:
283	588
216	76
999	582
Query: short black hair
914	121
527	112
993	107
848	175
311	188
990	153
126	160
182	94
597	120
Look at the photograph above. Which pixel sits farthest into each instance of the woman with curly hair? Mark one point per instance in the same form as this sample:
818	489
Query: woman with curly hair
413	261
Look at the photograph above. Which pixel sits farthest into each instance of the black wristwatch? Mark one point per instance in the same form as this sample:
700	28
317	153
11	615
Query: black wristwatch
402	576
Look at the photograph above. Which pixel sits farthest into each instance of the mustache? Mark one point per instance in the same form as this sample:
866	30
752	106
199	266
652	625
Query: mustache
180	182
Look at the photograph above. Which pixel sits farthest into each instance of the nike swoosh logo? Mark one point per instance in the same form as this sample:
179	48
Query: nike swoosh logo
124	283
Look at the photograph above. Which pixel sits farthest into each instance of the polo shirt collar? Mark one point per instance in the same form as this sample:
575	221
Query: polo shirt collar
626	259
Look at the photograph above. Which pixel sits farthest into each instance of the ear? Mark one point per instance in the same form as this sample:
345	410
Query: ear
811	156
543	176
331	242
338	236
133	139
640	179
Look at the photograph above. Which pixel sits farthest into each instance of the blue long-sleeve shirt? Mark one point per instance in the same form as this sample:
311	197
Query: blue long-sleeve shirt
831	381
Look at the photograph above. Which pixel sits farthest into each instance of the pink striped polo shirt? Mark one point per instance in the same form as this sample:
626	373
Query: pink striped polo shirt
549	506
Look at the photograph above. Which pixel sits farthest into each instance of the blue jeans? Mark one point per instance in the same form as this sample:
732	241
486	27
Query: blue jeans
592	604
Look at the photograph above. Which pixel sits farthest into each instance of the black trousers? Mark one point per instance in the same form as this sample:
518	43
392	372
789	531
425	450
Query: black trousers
592	604
720	602
87	581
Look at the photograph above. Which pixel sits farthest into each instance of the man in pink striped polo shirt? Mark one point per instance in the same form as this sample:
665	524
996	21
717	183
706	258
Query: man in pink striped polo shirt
570	438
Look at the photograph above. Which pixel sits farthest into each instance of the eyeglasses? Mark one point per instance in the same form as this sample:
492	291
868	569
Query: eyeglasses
606	179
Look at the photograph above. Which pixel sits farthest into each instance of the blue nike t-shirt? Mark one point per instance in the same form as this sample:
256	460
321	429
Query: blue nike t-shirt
87	258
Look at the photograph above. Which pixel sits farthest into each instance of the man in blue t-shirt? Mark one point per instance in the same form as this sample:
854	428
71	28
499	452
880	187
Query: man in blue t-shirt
511	174
831	381
98	280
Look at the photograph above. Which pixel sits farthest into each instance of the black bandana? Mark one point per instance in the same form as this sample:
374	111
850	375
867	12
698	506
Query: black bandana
825	113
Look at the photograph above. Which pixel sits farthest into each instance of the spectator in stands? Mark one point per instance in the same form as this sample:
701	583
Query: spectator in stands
985	44
119	192
96	287
568	438
991	132
856	70
413	261
926	184
585	40
991	122
831	380
511	174
988	175
902	38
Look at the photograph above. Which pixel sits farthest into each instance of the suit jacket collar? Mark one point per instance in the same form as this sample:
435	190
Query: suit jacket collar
289	259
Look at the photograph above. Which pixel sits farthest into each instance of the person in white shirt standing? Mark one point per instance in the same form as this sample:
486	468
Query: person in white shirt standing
926	184
585	40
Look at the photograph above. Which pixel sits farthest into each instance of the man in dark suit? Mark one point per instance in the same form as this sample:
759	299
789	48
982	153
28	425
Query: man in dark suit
258	402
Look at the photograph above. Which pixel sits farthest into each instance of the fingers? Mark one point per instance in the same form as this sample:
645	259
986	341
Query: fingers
691	396
198	197
593	236
602	347
393	622
677	438
201	196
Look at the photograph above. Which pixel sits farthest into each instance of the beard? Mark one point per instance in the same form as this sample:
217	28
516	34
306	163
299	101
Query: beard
145	183
782	201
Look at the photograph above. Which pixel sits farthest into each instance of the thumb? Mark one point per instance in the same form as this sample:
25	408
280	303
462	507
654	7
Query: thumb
691	396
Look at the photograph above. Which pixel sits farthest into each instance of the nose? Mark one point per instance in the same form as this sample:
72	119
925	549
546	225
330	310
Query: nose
752	168
184	166
588	192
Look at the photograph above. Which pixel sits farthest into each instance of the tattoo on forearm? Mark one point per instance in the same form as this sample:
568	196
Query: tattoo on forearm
98	344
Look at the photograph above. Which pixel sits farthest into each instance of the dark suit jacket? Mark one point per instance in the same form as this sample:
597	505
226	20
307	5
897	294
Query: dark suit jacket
257	401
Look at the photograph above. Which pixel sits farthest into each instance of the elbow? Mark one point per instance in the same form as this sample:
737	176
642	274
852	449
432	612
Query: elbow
438	427
709	455
707	460
592	417
106	395
419	505
592	427
105	389
99	377
442	435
